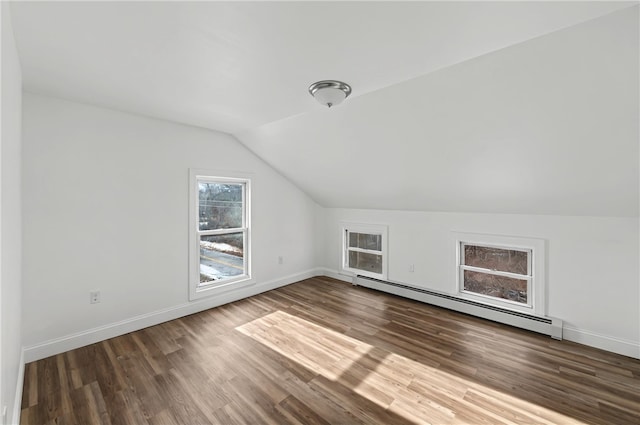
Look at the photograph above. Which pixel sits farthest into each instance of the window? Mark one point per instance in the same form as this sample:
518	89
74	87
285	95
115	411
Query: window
219	247
364	250
496	272
502	271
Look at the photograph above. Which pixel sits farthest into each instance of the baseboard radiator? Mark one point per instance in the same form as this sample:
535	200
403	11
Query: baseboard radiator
544	325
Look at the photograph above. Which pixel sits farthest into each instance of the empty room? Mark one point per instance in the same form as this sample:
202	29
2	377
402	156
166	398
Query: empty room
320	213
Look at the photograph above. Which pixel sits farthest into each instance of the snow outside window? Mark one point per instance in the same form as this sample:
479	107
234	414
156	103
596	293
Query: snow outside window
219	233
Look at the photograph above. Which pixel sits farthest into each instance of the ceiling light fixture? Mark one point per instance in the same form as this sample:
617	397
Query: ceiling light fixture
330	92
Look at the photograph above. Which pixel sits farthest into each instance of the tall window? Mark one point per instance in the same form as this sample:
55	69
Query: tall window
219	233
502	271
364	250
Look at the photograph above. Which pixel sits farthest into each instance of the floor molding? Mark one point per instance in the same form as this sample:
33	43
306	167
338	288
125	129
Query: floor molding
324	351
17	403
592	339
603	342
101	333
90	336
324	271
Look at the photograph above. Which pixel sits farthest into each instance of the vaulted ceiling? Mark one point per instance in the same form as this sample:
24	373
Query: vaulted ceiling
515	107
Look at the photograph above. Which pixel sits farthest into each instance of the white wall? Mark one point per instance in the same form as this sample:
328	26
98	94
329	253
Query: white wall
10	250
106	207
538	139
592	263
105	193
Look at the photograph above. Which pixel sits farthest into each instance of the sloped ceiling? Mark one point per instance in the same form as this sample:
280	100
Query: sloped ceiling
549	126
523	107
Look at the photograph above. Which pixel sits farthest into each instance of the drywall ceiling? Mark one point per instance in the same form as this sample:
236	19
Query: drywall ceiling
244	68
232	66
548	126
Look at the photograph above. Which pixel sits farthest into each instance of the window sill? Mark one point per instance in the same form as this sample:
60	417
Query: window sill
213	290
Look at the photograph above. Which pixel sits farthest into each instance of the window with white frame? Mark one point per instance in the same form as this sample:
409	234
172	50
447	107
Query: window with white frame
503	271
220	233
364	250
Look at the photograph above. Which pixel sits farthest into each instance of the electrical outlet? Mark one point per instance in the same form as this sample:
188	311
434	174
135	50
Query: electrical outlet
280	259
411	268
94	297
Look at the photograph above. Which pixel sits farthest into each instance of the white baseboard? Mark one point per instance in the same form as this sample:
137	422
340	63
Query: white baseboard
324	271
603	342
17	403
101	333
91	336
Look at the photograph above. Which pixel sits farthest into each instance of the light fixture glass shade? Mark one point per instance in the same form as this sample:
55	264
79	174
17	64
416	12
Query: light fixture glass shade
330	92
330	96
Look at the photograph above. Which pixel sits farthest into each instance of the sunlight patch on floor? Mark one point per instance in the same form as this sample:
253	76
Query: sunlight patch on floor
413	390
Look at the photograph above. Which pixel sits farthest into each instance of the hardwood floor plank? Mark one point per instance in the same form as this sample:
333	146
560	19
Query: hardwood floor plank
206	394
350	407
164	417
31	385
49	395
65	389
179	400
127	409
301	412
138	375
161	337
324	352
258	378
257	405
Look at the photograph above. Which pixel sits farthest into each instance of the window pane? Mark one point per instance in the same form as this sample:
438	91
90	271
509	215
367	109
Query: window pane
221	257
505	260
219	205
496	286
365	241
353	240
365	261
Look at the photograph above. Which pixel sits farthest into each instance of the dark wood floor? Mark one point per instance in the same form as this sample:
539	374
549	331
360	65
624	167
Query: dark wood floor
323	352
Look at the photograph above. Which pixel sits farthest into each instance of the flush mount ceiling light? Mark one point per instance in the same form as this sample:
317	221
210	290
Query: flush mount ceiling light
330	92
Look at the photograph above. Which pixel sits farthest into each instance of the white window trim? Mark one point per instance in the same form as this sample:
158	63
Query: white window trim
536	286
376	229
196	290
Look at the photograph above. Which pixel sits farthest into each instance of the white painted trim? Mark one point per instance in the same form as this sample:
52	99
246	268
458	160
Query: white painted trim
437	299
591	339
17	403
101	333
80	339
335	274
603	342
195	291
382	230
536	281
